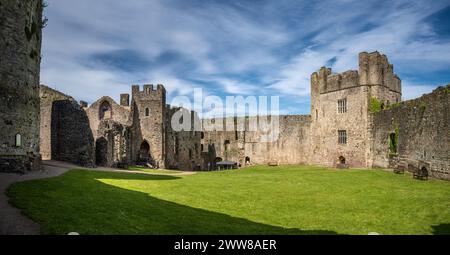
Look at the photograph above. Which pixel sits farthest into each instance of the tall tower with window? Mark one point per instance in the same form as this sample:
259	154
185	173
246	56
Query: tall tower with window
341	108
149	112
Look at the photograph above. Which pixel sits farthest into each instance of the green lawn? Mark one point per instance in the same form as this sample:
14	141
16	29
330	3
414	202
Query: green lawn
153	171
257	200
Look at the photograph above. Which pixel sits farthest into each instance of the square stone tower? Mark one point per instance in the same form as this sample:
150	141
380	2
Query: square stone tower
340	110
148	110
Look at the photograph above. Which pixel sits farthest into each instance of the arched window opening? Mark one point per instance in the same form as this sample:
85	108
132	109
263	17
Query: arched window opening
105	111
147	112
227	144
342	160
218	159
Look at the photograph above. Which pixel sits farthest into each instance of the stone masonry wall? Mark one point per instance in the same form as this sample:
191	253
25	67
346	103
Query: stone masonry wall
120	114
113	146
289	147
151	128
47	97
423	127
183	148
71	135
20	56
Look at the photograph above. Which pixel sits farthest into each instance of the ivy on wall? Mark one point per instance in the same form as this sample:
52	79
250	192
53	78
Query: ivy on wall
393	142
375	105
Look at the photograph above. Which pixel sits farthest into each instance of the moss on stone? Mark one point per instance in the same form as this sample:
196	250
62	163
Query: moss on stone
375	105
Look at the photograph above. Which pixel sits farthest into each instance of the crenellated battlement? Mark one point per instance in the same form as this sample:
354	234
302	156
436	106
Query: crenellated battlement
374	70
149	92
326	81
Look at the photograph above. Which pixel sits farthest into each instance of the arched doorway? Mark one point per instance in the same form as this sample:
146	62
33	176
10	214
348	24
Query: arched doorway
101	152
247	161
342	160
105	111
144	152
424	172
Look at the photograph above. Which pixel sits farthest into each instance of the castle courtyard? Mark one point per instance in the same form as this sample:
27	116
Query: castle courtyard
291	199
224	118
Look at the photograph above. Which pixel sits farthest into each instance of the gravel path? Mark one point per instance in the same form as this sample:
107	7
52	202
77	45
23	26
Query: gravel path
12	222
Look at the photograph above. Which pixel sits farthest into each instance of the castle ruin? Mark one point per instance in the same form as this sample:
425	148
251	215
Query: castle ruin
357	120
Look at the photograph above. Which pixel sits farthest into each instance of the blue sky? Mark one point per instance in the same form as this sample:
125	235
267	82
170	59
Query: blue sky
246	47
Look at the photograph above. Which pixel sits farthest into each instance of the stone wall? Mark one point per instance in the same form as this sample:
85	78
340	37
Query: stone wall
423	127
71	135
20	51
112	147
47	97
118	113
327	121
183	148
290	146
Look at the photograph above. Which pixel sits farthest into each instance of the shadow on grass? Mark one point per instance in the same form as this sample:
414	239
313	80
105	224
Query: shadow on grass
78	201
441	229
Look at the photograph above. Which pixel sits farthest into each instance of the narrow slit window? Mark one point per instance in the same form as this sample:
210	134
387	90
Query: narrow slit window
18	140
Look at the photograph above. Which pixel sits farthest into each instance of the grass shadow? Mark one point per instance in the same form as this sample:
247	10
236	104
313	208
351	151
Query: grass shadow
441	229
79	201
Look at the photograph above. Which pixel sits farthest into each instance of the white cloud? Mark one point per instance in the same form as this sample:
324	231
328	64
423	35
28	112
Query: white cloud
220	44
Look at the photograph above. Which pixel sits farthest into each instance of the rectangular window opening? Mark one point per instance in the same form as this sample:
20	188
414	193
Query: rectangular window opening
342	106
342	136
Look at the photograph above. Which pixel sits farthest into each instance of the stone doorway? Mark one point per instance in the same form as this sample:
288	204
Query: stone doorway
101	152
421	173
342	163
144	152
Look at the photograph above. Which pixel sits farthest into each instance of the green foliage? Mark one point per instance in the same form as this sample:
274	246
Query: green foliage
447	89
393	142
394	105
423	105
256	200
375	105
